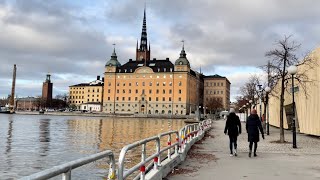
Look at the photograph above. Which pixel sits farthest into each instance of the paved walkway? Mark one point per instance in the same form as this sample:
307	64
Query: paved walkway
209	159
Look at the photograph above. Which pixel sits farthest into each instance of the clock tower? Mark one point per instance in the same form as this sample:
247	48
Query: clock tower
143	52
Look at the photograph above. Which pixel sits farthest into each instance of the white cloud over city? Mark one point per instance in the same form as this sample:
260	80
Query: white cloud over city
73	39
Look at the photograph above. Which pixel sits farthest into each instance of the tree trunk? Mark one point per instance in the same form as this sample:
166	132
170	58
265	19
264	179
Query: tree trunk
282	140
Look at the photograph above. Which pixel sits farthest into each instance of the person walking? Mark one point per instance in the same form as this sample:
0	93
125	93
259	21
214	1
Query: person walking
233	128
253	125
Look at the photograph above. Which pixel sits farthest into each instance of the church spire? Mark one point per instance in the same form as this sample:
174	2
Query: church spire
144	40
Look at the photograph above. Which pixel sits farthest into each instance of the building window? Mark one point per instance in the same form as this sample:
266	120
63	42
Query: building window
180	91
129	91
124	84
108	98
180	83
169	98
170	91
129	84
170	83
137	84
163	99
117	98
88	100
136	98
157	99
117	90
88	90
123	91
118	84
109	90
150	91
93	90
137	91
164	91
123	98
179	98
164	84
92	100
157	91
129	98
157	83
150	83
92	95
149	98
143	83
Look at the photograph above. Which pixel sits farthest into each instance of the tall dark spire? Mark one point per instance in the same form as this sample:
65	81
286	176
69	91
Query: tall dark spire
143	43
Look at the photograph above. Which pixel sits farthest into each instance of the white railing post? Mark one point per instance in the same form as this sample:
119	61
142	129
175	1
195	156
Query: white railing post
67	175
143	158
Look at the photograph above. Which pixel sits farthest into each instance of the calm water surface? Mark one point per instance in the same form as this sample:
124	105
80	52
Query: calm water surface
31	143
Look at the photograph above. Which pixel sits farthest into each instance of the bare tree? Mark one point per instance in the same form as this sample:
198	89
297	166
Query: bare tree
214	105
283	56
249	89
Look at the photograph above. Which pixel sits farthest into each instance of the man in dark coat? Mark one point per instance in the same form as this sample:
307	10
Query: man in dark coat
233	127
253	125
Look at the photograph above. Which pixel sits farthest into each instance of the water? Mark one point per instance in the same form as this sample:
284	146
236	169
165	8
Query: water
31	143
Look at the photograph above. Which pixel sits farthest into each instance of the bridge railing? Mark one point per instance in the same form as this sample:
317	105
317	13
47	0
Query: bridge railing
65	169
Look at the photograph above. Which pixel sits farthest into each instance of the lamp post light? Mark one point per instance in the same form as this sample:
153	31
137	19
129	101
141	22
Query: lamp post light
250	102
293	70
267	89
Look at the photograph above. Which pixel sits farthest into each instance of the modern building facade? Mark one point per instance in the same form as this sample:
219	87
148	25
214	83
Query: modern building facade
217	89
85	93
47	91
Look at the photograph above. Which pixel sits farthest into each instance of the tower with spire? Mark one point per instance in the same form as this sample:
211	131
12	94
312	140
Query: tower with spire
143	51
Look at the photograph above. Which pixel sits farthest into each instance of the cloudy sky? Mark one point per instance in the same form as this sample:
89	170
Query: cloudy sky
73	39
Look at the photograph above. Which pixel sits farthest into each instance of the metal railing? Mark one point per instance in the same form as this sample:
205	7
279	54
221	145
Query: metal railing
156	157
65	169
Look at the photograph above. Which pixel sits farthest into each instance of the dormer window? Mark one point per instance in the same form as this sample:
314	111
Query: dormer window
180	62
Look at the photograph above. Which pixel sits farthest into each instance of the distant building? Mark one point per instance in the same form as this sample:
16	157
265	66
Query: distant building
47	91
217	88
28	104
86	93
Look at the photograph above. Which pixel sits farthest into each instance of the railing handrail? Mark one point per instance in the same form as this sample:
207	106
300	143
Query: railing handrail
67	167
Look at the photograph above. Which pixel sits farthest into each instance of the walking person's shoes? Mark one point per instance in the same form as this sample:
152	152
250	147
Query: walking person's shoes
231	154
235	152
250	154
255	155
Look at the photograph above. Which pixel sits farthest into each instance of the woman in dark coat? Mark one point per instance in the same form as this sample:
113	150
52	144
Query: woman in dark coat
233	127
253	125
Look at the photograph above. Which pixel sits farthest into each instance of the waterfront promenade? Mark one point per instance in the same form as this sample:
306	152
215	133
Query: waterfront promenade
210	160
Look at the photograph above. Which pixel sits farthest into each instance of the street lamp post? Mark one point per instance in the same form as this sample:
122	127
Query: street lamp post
250	102
293	70
267	89
260	107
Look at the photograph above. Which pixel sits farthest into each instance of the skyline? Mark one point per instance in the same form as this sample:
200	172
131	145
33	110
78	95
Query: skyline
74	39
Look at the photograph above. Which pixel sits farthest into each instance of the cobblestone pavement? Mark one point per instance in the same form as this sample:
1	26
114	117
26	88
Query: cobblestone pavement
275	161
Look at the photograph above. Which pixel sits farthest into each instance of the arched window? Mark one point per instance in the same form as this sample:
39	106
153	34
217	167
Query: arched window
162	112
156	111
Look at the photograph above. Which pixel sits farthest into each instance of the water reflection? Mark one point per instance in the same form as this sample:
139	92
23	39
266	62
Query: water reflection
44	136
31	143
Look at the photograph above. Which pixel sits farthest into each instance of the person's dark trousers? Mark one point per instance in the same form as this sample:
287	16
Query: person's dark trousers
233	140
255	148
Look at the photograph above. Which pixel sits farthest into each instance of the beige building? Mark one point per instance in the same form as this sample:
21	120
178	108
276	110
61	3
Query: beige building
85	93
217	89
150	87
307	106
